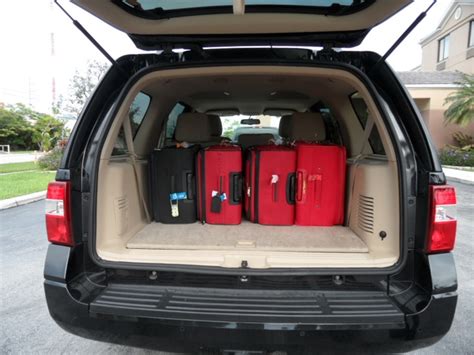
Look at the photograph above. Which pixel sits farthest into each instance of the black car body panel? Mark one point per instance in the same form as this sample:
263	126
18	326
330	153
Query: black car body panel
83	310
182	308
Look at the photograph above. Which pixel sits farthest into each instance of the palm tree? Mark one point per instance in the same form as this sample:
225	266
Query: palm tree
461	103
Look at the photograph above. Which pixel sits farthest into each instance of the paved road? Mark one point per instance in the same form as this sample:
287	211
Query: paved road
26	327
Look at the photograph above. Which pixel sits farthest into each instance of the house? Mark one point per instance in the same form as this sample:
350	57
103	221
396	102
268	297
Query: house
429	90
446	53
451	46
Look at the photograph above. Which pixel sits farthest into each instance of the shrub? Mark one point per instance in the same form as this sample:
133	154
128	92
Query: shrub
463	139
456	157
51	160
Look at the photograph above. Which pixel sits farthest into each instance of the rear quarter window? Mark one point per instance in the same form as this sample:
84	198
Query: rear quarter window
136	114
172	119
362	112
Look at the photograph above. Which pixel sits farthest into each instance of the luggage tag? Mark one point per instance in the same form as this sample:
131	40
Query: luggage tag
174	198
216	202
274	182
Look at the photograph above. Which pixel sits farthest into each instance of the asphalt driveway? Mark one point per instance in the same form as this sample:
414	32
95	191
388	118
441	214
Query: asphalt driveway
25	325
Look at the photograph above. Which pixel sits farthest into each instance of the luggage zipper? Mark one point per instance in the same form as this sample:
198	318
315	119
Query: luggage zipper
256	186
249	188
203	188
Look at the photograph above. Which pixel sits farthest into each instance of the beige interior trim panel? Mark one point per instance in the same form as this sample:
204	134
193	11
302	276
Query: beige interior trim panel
262	23
372	186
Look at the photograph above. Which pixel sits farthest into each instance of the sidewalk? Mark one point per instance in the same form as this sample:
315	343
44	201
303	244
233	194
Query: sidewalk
19	157
22	200
463	176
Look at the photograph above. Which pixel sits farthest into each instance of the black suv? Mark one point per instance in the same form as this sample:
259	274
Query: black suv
385	279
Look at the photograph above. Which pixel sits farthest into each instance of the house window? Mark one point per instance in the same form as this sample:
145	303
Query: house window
471	34
443	48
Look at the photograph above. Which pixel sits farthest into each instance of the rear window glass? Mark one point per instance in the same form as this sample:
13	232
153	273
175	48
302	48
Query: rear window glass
234	126
362	112
172	119
138	110
161	8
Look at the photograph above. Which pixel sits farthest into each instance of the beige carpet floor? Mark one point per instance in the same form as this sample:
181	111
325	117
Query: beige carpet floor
247	236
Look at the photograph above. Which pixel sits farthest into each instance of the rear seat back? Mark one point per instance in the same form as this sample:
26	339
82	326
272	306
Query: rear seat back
303	126
250	140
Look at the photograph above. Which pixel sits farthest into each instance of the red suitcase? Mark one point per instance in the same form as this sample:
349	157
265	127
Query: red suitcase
270	185
320	176
219	184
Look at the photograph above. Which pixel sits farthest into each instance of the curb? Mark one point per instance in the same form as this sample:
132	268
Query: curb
462	181
463	176
22	200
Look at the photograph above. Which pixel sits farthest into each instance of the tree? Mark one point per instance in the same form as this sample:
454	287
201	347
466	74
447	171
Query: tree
15	130
47	132
461	103
81	87
231	125
23	128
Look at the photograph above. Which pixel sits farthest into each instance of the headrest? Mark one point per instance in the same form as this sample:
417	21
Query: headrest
193	127
303	126
284	125
216	125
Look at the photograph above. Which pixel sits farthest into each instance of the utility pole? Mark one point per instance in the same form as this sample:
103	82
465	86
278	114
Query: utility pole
53	58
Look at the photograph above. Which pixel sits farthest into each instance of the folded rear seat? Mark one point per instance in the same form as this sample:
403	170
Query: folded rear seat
251	140
172	169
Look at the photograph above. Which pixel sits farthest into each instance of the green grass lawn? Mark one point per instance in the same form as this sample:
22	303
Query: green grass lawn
22	183
13	167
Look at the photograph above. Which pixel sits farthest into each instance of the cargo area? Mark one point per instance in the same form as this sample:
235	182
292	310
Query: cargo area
369	236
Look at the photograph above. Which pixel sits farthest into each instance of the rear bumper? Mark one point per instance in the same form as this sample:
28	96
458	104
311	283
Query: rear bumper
117	315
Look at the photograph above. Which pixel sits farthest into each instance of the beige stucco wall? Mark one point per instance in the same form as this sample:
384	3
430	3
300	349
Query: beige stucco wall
430	102
458	45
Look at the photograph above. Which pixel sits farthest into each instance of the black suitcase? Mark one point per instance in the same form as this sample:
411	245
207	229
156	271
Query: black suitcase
173	192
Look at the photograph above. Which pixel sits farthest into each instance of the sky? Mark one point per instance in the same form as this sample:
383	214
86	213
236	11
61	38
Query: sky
27	66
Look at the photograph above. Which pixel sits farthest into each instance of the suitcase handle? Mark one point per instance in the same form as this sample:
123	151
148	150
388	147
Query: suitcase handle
235	188
299	185
290	188
190	185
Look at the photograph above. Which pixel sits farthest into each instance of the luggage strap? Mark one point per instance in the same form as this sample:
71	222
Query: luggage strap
127	130
365	138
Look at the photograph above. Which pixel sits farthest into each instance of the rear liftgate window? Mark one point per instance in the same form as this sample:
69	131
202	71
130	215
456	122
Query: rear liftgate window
136	113
165	8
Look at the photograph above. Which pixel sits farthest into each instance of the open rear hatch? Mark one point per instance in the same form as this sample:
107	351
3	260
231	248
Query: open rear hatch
158	24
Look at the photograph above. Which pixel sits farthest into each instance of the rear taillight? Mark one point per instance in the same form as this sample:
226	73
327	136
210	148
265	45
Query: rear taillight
442	230
58	213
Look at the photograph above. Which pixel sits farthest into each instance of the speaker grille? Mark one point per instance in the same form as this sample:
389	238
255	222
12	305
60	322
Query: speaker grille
366	213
